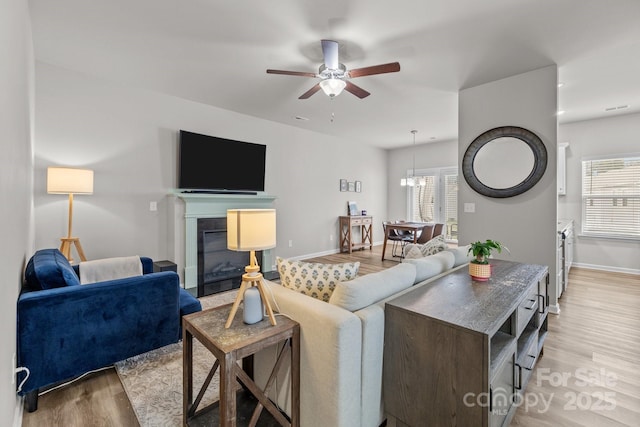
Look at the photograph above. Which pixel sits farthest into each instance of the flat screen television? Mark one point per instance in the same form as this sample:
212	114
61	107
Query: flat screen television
212	164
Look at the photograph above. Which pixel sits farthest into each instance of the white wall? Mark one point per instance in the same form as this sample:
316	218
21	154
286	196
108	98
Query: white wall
16	170
614	135
526	223
129	137
428	155
618	134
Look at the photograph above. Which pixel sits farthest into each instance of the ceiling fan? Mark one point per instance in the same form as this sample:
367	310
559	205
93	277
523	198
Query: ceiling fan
335	76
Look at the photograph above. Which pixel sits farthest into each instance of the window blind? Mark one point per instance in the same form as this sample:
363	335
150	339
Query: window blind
434	198
611	197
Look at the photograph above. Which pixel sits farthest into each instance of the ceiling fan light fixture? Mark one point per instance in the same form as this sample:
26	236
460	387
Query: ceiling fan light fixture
332	87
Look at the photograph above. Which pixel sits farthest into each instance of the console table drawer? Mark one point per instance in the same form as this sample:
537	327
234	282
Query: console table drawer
357	221
527	308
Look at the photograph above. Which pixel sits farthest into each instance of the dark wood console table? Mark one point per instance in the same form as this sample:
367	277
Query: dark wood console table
229	346
346	236
457	351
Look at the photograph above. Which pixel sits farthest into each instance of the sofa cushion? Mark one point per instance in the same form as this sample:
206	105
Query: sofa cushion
461	254
48	269
432	265
433	246
314	279
365	290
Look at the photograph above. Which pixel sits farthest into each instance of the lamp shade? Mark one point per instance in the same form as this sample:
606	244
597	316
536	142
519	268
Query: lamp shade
251	229
332	87
69	181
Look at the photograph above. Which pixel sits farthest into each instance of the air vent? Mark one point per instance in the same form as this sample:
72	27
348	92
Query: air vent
619	107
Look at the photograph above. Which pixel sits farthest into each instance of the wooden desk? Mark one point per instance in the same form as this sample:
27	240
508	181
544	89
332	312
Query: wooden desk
413	227
346	237
229	346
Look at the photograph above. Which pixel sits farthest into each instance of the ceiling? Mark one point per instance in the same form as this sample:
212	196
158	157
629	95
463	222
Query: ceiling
216	52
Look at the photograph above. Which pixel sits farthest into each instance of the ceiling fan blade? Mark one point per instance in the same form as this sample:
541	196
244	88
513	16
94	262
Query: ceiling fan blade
391	67
310	92
356	90
330	54
291	73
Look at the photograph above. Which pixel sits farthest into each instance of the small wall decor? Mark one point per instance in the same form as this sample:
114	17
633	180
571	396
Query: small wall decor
358	186
352	186
343	185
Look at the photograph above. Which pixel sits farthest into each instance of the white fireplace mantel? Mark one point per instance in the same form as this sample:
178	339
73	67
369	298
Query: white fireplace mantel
201	205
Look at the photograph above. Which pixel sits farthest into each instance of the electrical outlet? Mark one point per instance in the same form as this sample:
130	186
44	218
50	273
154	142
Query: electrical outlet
469	207
331	237
153	206
13	369
290	243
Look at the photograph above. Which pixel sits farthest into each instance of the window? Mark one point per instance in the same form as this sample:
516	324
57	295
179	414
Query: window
611	197
434	198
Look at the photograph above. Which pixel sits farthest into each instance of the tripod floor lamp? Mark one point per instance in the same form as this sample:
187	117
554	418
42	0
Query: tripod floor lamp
70	181
251	230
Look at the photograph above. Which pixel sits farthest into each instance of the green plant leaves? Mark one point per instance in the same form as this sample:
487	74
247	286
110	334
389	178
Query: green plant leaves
482	250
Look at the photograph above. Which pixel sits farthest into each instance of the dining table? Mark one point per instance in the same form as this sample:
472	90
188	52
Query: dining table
413	227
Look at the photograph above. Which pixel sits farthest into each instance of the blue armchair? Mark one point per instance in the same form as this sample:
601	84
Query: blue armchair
65	329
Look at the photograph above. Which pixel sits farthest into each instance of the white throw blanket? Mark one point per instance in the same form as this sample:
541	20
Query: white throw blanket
109	269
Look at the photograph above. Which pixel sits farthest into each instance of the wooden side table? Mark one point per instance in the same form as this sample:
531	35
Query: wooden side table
231	345
346	237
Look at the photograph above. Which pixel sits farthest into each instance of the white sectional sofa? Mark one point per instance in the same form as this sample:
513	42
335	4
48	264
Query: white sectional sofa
342	342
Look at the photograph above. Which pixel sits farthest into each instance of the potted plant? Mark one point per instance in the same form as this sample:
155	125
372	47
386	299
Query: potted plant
479	268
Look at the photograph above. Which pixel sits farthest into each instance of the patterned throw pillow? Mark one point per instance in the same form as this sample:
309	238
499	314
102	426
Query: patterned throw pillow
433	246
314	279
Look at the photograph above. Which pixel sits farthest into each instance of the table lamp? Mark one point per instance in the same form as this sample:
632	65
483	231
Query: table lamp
251	230
70	181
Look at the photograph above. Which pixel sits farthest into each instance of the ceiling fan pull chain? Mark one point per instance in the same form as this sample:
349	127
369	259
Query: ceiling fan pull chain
333	114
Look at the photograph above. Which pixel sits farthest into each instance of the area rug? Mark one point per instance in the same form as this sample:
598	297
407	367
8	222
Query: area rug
153	380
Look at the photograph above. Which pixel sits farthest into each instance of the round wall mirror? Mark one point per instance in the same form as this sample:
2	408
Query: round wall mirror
504	162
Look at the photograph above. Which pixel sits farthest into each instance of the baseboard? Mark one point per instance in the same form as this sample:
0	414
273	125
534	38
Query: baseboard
315	255
323	253
607	268
554	308
19	410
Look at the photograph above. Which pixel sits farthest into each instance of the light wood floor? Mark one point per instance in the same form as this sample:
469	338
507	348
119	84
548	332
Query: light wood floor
596	338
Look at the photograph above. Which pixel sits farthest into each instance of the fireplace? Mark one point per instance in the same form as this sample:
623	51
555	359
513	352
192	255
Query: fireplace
219	269
198	207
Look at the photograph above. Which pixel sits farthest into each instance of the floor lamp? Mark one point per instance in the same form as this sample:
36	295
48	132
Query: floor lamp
251	230
70	181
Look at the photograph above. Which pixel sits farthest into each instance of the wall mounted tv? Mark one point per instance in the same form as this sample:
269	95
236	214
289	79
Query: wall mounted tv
210	164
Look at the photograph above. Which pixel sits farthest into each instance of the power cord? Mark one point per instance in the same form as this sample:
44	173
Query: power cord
22	369
73	380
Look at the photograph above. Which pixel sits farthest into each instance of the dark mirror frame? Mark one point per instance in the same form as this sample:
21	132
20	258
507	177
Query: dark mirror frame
529	138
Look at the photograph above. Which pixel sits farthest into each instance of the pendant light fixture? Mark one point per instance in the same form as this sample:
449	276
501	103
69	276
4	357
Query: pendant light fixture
411	180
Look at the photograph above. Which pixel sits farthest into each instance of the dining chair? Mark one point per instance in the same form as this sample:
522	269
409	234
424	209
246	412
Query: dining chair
393	236
406	236
426	234
397	236
438	229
